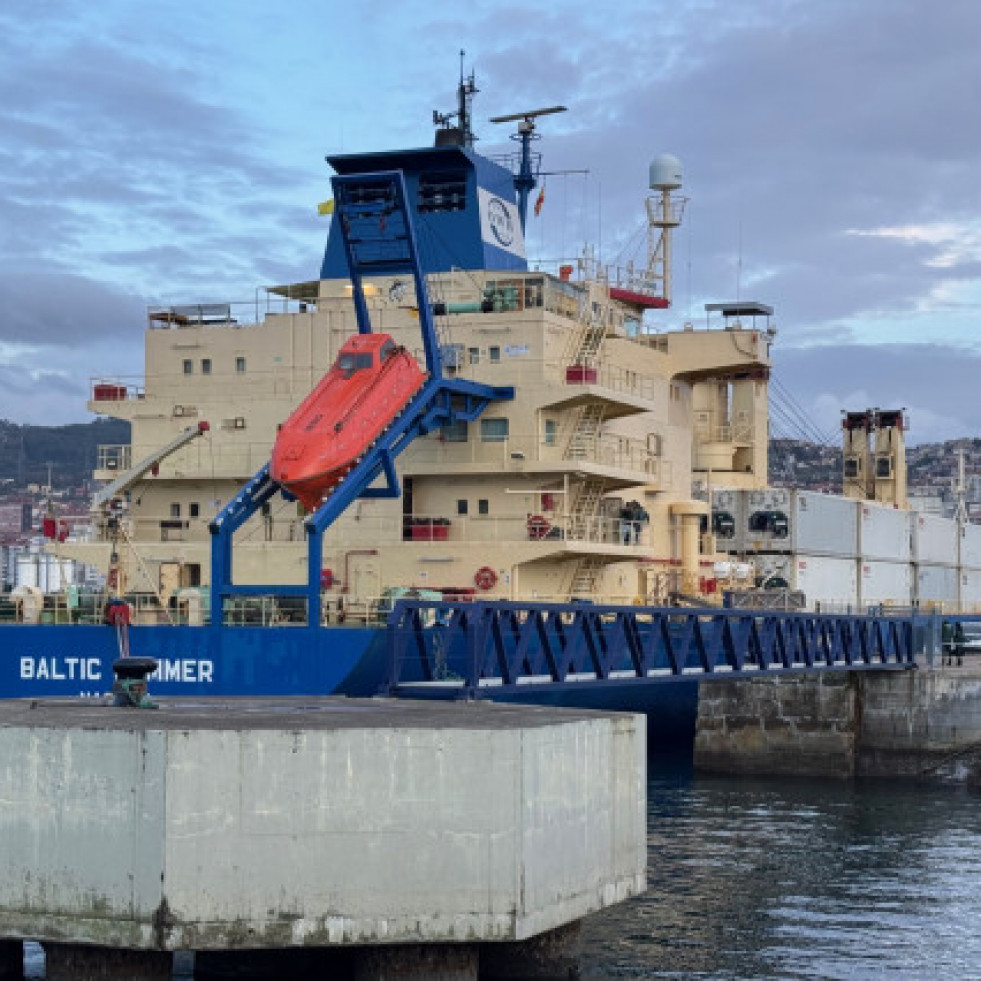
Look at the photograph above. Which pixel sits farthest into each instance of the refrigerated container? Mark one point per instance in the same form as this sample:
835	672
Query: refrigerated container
970	596
804	522
727	518
884	533
935	540
888	583
936	584
825	580
970	546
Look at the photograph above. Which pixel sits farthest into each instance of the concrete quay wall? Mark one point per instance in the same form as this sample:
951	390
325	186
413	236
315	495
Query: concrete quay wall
312	823
923	723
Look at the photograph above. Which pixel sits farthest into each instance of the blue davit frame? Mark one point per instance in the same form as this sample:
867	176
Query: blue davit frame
379	239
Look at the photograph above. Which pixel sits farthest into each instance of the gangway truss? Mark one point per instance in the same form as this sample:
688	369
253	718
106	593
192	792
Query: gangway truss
493	649
379	239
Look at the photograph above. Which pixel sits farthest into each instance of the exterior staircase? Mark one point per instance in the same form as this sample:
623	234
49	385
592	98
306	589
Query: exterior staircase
585	577
582	440
583	513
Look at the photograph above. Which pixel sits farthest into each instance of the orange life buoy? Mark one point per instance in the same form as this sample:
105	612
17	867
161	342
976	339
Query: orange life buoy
485	577
538	527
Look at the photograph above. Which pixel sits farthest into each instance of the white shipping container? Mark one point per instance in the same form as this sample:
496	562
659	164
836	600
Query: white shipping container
884	533
827	580
935	540
970	554
890	583
804	522
936	584
971	590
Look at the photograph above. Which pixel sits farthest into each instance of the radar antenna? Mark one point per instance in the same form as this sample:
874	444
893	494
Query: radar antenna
524	180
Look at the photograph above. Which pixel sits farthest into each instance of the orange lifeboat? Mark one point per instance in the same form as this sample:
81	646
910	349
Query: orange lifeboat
370	383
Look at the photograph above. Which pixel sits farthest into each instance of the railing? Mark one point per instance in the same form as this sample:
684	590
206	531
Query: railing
522	450
482	649
231	313
117	389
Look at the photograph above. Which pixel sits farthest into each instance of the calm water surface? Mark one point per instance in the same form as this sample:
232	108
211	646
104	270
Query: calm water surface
777	878
753	878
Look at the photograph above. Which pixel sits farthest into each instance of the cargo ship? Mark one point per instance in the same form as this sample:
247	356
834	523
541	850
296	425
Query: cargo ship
574	451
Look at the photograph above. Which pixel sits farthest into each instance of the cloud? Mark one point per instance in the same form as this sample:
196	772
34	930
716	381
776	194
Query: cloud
928	380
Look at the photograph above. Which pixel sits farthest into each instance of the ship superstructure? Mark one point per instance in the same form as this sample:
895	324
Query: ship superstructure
581	486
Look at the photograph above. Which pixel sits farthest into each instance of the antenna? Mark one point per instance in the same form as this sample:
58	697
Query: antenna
524	180
462	133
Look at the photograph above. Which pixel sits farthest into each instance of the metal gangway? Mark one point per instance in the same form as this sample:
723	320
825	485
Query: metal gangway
496	649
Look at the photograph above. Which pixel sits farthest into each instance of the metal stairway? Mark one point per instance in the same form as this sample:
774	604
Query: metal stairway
376	225
585	509
585	577
585	432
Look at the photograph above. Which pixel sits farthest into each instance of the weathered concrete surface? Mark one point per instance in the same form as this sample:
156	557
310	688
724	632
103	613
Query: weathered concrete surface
923	724
233	824
548	957
778	725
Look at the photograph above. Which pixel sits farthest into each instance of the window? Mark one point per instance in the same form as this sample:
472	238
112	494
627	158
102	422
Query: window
473	355
194	509
188	366
175	510
442	191
551	430
483	506
461	506
206	366
493	430
494	353
455	432
353	362
240	366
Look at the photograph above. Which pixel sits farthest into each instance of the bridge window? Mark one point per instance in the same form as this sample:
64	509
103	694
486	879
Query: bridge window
494	353
188	366
240	366
461	506
474	355
194	509
551	431
493	430
483	506
206	366
442	191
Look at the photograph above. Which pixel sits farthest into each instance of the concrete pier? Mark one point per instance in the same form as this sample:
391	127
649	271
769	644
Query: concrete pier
302	825
923	724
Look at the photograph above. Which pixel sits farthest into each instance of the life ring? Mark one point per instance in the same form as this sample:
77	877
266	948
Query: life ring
538	527
485	577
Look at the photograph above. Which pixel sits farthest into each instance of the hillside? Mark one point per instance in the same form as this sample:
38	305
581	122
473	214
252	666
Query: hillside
26	451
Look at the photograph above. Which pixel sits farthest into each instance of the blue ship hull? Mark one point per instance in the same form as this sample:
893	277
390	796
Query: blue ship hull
47	661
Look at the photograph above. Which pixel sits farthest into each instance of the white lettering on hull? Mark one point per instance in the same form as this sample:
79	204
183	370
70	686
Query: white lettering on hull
182	670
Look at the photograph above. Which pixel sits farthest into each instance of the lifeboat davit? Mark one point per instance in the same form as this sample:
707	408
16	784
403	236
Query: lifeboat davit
369	384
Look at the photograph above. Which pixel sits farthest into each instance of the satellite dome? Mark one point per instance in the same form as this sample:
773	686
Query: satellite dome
665	173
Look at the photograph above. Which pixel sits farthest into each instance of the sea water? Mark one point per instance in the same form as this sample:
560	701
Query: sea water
793	878
799	878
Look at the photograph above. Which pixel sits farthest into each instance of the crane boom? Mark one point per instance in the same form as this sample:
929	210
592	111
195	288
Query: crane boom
135	474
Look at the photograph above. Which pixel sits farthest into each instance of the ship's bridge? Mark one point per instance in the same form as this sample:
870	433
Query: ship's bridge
465	209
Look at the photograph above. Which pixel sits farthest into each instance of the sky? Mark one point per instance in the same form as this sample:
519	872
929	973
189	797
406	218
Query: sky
173	152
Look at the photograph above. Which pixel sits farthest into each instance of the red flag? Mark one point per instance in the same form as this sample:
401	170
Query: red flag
540	201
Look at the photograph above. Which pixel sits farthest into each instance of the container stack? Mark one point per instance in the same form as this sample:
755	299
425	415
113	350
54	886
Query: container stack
845	553
935	557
